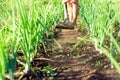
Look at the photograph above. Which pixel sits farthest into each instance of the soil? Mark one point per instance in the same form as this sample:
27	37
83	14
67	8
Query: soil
83	63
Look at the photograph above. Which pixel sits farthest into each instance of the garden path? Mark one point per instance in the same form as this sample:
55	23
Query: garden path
85	63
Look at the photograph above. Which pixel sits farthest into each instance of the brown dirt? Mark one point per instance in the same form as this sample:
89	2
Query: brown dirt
84	63
80	64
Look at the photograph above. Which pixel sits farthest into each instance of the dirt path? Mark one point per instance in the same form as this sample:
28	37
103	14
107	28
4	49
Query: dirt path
84	63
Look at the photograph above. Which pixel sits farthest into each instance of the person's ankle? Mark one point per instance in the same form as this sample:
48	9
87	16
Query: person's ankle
73	23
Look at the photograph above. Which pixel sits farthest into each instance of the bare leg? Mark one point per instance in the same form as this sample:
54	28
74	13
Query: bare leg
75	9
72	7
70	10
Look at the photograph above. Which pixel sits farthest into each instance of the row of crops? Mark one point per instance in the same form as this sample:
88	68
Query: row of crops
101	18
24	23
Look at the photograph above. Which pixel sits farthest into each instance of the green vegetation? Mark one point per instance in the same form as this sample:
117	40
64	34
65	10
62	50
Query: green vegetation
24	24
99	18
2	61
49	71
98	64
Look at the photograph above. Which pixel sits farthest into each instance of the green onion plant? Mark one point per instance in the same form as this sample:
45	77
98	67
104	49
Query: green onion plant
99	17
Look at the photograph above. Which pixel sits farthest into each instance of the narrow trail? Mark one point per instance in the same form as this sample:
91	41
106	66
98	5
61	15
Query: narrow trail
84	63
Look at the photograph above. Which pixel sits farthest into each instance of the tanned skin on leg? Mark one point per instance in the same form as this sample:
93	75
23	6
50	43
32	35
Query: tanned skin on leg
75	9
72	9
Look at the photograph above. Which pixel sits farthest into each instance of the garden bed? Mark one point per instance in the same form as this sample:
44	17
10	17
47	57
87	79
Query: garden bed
85	63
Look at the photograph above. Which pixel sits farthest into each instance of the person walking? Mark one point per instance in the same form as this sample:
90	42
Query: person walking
72	9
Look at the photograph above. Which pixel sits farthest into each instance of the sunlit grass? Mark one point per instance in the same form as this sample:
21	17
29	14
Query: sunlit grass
2	60
24	25
99	18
